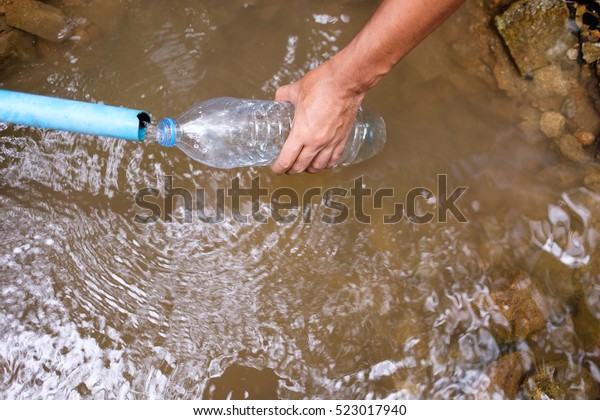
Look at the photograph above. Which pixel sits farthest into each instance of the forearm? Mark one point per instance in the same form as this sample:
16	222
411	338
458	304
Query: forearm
392	32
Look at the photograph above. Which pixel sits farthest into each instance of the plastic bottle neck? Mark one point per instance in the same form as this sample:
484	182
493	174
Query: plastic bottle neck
166	132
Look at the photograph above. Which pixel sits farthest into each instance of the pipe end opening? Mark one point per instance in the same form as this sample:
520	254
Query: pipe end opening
145	119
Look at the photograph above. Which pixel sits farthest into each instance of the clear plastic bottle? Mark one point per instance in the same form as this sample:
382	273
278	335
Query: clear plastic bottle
230	132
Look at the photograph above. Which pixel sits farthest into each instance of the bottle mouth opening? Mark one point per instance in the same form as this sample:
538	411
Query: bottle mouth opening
165	132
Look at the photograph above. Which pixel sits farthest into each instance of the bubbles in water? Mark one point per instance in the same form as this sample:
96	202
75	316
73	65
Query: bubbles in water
568	233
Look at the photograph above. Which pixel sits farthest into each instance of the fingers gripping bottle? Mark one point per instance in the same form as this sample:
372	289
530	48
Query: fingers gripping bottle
230	132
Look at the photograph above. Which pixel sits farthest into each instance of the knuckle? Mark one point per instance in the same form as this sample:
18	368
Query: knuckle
321	142
318	165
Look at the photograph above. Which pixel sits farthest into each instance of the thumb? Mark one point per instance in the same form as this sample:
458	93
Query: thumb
286	93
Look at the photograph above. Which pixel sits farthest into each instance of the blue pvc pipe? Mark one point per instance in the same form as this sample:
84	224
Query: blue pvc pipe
78	117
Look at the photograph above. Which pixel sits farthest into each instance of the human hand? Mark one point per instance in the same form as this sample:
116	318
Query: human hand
325	110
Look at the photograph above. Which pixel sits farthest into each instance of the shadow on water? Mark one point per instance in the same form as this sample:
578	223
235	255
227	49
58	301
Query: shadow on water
95	305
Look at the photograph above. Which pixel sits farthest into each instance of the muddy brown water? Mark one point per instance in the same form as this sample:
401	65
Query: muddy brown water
97	305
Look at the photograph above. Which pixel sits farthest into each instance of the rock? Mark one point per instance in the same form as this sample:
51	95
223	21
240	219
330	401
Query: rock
585	138
495	6
3	26
572	149
16	44
530	124
572	54
551	344
552	124
48	51
590	51
509	80
560	174
587	18
550	81
71	3
107	15
38	19
531	131
544	21
592	179
518	309
558	380
81	37
581	112
507	373
586	320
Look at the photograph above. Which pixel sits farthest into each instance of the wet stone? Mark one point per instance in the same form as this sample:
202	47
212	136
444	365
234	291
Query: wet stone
495	6
561	174
552	124
585	138
591	51
38	19
507	374
558	380
583	114
71	3
531	131
518	308
544	21
550	81
592	180
107	15
572	149
572	54
16	44
3	26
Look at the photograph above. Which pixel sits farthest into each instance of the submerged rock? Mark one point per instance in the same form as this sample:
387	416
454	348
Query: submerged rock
495	6
38	19
518	308
585	138
507	374
107	15
559	381
551	80
586	320
535	32
552	124
15	44
581	111
572	149
592	179
591	51
560	174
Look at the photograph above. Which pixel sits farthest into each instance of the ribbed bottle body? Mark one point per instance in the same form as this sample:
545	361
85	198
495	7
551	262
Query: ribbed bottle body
230	132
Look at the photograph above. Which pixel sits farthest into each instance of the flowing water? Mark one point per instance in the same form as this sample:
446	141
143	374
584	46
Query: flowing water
99	303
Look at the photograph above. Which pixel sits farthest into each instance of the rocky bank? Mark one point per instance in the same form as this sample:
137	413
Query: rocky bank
30	28
544	55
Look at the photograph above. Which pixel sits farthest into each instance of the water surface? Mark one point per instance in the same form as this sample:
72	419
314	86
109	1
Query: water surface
96	305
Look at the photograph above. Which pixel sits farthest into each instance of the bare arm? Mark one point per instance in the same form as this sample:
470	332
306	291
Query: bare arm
328	97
